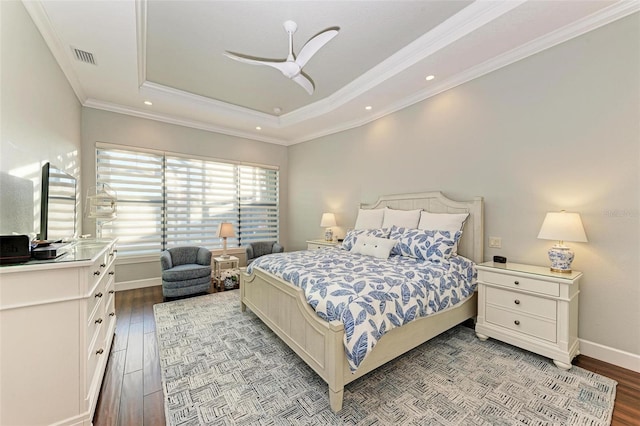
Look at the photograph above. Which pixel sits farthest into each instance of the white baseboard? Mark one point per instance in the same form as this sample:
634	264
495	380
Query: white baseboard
130	285
612	356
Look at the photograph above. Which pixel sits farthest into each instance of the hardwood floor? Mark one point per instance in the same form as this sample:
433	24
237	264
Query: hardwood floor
132	391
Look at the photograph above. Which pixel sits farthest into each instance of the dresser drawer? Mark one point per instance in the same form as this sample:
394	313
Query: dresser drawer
94	354
515	282
540	328
521	302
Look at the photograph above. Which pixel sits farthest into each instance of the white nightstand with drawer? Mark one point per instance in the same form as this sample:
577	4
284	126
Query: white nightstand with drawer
530	307
318	244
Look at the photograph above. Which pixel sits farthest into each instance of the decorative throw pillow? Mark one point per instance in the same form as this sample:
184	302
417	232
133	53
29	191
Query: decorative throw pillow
352	236
401	218
434	246
452	222
369	219
373	246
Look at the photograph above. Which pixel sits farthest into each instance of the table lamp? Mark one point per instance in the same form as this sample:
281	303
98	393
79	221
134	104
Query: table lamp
562	226
328	220
225	230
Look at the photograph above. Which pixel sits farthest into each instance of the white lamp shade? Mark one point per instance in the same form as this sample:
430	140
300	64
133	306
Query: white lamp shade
562	226
225	230
328	219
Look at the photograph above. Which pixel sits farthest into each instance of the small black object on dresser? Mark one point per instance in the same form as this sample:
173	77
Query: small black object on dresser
499	259
14	249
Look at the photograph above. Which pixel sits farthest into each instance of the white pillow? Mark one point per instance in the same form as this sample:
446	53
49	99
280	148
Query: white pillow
451	222
373	246
401	218
369	219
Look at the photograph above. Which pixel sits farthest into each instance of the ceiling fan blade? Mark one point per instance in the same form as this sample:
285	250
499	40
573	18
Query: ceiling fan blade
313	45
304	82
279	65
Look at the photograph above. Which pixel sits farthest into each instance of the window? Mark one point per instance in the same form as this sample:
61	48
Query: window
167	200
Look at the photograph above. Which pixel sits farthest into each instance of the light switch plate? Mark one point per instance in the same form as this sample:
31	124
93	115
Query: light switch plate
495	242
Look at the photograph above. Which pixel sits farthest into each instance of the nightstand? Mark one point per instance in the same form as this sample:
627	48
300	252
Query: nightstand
530	307
219	264
318	244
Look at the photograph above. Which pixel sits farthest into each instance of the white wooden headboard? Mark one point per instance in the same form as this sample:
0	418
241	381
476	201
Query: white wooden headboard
471	244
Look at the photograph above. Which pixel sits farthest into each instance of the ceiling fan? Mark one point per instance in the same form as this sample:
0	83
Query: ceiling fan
292	66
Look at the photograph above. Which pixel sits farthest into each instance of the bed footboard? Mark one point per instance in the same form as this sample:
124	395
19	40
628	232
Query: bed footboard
284	309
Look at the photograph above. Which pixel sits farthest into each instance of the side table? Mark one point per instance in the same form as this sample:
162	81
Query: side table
220	264
530	307
318	244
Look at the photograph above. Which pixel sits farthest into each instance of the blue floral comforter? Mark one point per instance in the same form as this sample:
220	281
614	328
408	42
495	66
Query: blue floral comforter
369	295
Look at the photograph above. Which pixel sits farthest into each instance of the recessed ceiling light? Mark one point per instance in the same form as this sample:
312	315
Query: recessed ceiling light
258	128
277	110
430	77
148	103
368	107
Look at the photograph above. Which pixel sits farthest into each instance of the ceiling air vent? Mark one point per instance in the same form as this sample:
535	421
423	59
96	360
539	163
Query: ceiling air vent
83	56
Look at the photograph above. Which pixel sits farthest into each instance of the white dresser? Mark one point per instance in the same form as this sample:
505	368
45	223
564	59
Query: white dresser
530	307
57	321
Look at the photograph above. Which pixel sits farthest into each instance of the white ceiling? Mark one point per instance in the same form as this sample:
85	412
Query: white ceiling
171	53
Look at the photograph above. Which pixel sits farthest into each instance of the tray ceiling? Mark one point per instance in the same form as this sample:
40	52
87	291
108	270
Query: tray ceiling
170	53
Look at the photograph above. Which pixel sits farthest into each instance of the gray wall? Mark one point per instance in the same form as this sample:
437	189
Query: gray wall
109	127
558	130
40	118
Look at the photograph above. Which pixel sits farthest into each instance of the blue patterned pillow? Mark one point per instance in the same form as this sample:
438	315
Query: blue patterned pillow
434	246
352	236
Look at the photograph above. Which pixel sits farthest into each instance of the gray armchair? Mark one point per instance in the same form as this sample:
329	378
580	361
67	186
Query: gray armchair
185	271
260	248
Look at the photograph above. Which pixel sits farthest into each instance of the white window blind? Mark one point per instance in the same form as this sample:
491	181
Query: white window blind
137	178
168	200
258	193
199	195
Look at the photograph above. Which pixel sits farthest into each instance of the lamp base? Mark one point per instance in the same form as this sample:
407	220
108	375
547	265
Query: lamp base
328	234
561	258
224	256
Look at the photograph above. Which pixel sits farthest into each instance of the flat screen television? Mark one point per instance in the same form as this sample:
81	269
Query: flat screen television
58	201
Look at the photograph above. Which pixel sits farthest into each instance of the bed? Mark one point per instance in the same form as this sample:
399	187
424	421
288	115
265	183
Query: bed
284	309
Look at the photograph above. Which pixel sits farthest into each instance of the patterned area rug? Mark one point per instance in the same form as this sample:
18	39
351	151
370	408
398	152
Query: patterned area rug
224	367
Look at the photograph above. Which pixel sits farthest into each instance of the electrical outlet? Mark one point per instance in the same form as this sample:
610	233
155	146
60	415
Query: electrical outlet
495	242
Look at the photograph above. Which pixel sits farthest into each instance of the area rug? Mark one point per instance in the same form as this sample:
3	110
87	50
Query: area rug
225	367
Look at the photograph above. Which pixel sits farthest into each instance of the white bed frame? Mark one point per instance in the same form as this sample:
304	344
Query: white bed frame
283	307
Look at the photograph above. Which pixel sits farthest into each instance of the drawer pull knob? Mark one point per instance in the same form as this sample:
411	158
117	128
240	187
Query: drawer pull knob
96	273
112	272
516	322
111	314
98	295
102	265
517	302
516	282
111	291
99	351
99	321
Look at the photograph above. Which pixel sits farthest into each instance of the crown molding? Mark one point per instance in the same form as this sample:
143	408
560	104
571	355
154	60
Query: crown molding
141	39
170	119
61	53
459	25
589	23
214	106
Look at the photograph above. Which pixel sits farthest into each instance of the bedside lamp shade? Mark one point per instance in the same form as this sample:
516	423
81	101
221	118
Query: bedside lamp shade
225	230
328	220
562	226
